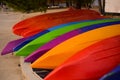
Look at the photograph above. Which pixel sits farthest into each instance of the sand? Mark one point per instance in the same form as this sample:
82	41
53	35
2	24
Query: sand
9	69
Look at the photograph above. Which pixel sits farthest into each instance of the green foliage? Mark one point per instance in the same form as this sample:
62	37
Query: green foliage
27	5
41	5
85	3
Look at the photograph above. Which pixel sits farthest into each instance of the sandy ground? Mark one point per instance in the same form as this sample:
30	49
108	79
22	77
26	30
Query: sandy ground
9	69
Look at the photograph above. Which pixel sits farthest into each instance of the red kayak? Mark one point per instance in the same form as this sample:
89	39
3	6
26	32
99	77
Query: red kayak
91	63
33	25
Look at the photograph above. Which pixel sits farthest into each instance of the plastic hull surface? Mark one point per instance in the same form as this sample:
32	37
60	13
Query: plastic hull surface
33	25
91	63
62	52
39	52
35	44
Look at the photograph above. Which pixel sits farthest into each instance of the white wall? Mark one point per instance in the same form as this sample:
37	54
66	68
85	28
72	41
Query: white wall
112	6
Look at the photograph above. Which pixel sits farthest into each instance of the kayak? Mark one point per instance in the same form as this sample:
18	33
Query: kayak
113	75
45	21
45	31
19	43
9	47
38	42
16	45
40	19
57	55
43	49
91	63
31	31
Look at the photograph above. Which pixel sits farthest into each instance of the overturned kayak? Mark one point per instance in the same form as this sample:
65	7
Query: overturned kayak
16	44
113	75
45	31
43	49
31	26
38	42
91	63
9	47
57	55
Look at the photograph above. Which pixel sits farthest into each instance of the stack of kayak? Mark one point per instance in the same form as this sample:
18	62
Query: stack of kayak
76	44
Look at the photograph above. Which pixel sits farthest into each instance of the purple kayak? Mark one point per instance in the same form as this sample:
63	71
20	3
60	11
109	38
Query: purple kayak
19	43
9	47
35	55
39	52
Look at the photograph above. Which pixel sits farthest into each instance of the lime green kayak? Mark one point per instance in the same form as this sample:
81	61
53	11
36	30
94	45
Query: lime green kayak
38	42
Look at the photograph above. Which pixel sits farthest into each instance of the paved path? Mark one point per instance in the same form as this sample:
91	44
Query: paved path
9	69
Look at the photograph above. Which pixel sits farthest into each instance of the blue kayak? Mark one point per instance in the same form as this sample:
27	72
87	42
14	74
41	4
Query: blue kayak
113	75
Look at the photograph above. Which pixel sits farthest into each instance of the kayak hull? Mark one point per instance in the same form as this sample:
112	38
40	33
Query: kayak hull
91	63
33	25
62	52
40	41
43	49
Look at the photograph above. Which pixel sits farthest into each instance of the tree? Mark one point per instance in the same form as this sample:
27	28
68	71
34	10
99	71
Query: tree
68	3
27	5
41	5
85	3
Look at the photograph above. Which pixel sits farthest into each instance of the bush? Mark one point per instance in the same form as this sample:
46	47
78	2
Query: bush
27	5
40	5
83	3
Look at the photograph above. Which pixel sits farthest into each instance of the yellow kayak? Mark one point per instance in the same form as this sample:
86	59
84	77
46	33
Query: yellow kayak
66	49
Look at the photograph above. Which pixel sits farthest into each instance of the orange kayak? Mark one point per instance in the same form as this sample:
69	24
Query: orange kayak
91	63
66	49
